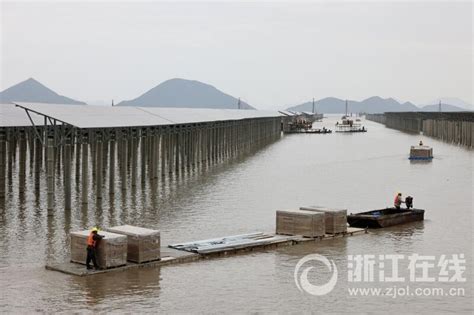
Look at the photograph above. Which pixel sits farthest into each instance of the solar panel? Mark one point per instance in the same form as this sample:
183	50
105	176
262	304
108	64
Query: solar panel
13	116
87	116
287	113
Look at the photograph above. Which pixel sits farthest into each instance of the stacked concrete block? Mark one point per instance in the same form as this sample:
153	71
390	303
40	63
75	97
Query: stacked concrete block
421	152
111	251
335	219
143	244
300	222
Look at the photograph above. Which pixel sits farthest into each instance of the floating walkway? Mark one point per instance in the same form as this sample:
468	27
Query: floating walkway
205	249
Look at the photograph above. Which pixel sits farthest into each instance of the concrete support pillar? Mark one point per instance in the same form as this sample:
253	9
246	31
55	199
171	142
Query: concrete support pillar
50	173
124	163
189	153
85	171
10	148
112	165
67	174
134	157
98	165
37	164
143	155
3	152
170	152
209	145
77	152
155	155
163	153
177	146
22	157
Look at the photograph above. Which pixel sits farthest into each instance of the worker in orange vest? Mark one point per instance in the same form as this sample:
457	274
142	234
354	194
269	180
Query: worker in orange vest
397	202
92	241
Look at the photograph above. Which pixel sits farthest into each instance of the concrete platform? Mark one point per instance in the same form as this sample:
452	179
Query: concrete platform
170	256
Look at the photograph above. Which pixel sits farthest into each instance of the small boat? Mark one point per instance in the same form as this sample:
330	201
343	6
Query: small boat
421	152
317	131
385	217
348	125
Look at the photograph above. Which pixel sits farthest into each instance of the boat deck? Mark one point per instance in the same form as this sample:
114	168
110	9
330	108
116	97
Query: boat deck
385	217
172	256
312	131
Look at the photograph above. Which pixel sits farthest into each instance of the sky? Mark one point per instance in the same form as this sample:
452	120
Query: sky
271	54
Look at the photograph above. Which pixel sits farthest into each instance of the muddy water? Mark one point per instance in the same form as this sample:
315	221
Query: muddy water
358	171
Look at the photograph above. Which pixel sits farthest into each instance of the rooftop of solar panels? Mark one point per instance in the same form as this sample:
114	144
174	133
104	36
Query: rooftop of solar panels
90	116
12	116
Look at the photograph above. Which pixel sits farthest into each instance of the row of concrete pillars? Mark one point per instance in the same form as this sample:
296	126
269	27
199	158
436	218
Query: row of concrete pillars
115	160
453	131
457	132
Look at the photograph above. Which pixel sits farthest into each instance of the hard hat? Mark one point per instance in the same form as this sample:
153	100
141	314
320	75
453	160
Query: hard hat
95	229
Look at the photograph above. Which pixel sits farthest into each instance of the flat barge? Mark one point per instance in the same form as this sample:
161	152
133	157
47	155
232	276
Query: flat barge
421	153
193	251
385	217
312	131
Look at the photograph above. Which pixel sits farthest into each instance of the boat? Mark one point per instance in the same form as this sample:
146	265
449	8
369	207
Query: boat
347	124
311	130
421	152
385	217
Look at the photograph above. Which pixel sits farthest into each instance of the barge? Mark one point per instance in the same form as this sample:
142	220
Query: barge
314	131
421	153
385	217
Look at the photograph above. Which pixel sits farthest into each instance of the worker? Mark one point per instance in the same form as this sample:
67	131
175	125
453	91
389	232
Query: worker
397	202
92	242
421	142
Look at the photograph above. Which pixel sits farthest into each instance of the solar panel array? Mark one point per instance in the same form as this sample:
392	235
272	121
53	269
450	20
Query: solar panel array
88	116
12	116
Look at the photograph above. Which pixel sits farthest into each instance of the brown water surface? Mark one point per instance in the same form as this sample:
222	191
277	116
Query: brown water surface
355	171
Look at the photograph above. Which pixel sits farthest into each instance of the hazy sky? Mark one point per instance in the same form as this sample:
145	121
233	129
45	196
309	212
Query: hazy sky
269	53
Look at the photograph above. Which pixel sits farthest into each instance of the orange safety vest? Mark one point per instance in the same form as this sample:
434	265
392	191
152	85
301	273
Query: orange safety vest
90	240
397	201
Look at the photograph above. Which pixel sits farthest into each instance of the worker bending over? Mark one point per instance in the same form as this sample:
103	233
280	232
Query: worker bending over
398	201
92	242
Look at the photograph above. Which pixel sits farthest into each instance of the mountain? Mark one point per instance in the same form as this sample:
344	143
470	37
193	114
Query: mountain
186	93
33	91
375	104
444	108
454	101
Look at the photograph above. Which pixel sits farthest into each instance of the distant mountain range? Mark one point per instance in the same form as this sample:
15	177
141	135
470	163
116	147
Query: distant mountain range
375	104
33	91
186	93
452	101
195	94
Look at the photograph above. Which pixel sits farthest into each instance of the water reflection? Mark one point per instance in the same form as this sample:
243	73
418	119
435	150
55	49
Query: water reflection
144	282
358	173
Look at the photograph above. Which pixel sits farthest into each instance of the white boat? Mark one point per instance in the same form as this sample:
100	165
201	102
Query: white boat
347	124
